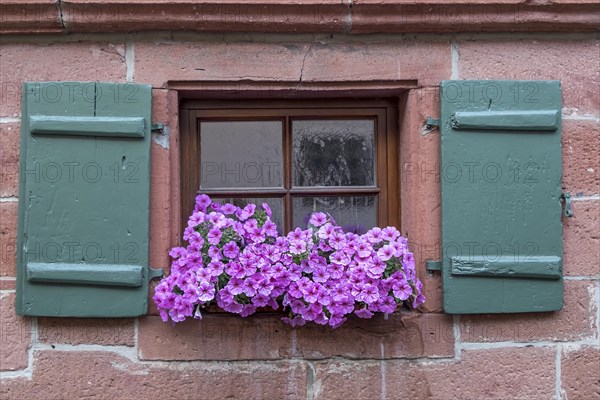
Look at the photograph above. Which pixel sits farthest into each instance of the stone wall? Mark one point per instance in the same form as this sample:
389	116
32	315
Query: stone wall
424	354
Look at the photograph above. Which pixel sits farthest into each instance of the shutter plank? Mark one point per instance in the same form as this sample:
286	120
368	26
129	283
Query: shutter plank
132	127
544	120
507	267
87	274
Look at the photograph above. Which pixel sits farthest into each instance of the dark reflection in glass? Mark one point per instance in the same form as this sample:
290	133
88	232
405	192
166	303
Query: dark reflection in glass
333	152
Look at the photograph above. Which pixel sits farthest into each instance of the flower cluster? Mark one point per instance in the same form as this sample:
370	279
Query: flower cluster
236	258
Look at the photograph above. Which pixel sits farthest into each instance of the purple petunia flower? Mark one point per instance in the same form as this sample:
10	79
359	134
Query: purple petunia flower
390	233
228	209
320	274
297	247
270	228
214	253
231	250
214	236
326	231
385	253
196	219
177	252
215	267
368	294
206	291
375	235
202	202
363	313
318	219
402	290
246	212
267	209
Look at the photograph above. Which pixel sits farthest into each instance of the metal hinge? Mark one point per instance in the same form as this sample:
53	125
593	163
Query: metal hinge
431	122
567	198
159	126
155	273
432	266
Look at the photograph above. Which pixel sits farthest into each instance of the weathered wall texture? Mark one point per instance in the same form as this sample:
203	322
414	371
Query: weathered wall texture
412	355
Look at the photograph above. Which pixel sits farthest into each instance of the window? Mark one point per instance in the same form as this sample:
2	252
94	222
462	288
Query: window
298	156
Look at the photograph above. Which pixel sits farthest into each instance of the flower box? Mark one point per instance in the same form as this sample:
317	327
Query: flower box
235	259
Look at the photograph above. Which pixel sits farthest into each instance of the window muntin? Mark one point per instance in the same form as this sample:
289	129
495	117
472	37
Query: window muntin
299	157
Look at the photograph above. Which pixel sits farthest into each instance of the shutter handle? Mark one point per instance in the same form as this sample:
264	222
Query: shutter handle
567	198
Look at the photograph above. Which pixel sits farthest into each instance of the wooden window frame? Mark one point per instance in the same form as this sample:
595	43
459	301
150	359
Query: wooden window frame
384	112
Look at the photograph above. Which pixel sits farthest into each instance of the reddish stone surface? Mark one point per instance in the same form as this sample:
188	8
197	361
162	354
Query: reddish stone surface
164	185
76	375
581	246
165	107
216	337
579	373
307	16
261	357
229	337
415	335
30	16
538	59
211	15
160	216
175	165
8	284
158	63
427	62
576	321
9	159
420	187
74	331
8	238
15	335
370	16
507	373
77	61
581	157
165	111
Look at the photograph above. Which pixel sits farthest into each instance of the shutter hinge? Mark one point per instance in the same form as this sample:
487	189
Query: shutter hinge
155	273
432	266
159	126
567	198
431	122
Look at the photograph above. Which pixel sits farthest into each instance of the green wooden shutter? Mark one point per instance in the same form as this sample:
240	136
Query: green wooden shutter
84	200
501	186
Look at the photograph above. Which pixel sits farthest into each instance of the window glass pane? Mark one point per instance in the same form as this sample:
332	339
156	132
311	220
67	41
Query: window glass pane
276	205
241	154
353	213
333	152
